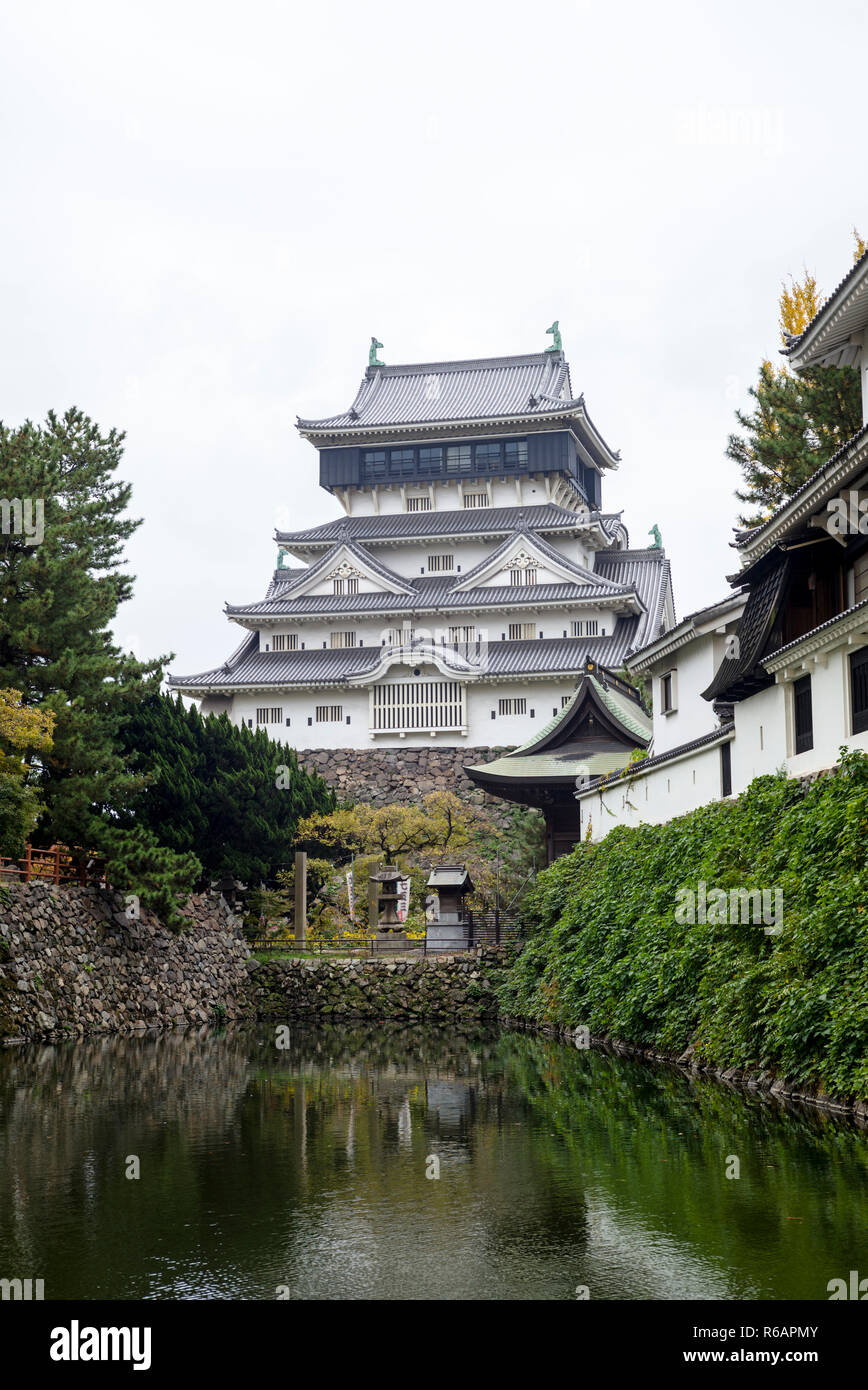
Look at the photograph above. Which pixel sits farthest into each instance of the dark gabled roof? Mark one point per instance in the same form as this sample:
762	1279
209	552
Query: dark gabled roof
683	631
616	575
565	746
741	675
281	579
835	340
543	656
489	388
548	552
363	557
470	521
643	765
425	595
745	538
647	572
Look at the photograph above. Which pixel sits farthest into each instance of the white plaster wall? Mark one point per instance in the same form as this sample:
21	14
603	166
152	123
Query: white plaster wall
299	706
411	561
448	495
760	737
832	720
658	796
543	698
694	665
491	624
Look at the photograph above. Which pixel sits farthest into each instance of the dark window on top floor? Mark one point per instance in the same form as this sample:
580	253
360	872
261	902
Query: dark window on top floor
859	690
402	463
803	714
515	453
374	463
489	457
458	458
431	460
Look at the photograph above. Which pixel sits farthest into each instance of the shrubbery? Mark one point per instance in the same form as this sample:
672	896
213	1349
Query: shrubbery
606	950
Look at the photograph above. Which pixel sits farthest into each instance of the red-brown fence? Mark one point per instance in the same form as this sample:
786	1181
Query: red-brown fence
54	865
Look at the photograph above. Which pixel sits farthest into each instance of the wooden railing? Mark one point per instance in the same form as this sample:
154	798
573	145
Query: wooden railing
54	865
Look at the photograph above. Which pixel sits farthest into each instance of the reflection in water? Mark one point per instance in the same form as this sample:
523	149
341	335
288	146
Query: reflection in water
307	1168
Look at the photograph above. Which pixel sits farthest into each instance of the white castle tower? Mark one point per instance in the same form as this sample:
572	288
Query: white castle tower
472	577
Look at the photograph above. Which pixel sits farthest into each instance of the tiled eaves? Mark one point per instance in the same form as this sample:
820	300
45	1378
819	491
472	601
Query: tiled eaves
827	317
643	766
819	488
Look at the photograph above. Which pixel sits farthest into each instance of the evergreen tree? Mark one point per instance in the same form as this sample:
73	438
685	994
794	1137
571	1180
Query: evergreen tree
798	421
230	795
61	584
25	734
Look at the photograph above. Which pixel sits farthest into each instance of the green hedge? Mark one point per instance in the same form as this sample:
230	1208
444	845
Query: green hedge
607	952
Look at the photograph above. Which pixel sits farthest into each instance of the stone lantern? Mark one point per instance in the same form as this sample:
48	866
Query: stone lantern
391	935
448	921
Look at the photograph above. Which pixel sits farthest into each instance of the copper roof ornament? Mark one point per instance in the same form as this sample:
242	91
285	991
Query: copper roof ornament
557	343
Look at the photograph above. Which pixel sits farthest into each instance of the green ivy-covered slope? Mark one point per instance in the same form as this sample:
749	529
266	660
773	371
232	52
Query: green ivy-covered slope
607	952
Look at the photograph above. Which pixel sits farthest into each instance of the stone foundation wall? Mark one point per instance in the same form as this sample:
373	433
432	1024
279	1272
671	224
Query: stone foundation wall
457	987
401	775
71	962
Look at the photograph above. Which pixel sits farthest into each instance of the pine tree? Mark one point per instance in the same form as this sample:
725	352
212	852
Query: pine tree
798	421
230	795
61	584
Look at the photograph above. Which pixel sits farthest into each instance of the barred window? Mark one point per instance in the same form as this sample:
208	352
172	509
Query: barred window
437	564
329	714
521	632
418	504
345	586
462	634
399	636
342	639
417	705
476	499
522	578
285	642
517	705
587	628
565	700
269	715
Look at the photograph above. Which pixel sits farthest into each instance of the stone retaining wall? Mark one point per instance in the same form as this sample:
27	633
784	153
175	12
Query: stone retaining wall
71	962
401	775
456	987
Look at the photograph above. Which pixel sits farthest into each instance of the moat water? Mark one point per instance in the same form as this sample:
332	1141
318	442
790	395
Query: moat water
411	1162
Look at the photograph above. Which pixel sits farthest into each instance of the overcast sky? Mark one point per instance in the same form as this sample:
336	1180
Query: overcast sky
208	209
